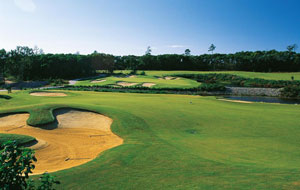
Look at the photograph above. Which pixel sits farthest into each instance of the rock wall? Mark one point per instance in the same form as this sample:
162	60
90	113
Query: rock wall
243	91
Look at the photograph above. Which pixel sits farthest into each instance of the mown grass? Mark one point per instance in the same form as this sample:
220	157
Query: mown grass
182	142
268	76
140	79
20	139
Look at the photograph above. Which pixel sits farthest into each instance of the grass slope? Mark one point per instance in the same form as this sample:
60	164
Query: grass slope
269	76
20	139
182	142
159	83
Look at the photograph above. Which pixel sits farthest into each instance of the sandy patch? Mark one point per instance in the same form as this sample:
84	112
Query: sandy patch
148	84
132	76
76	138
52	94
238	101
97	81
126	84
169	78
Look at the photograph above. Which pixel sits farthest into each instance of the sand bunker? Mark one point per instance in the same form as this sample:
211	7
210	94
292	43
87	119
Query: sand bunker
51	94
148	84
76	138
169	78
97	81
126	84
238	101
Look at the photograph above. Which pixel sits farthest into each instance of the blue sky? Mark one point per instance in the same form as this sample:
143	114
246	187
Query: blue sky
123	27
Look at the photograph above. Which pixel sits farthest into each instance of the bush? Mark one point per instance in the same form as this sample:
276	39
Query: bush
57	82
5	97
133	72
16	165
291	91
212	87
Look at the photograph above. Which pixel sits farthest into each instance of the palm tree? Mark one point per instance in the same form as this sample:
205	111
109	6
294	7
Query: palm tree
211	48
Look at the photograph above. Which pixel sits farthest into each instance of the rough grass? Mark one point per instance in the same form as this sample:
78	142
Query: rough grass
182	142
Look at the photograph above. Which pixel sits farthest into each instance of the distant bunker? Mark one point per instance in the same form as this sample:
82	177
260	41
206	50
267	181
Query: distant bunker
50	94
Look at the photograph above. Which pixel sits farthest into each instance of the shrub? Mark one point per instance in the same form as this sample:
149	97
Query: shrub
212	87
291	91
16	165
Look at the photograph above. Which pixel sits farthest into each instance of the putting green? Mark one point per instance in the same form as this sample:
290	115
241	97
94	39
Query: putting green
180	141
139	80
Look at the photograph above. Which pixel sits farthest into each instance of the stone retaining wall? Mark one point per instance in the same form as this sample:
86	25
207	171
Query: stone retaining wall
243	91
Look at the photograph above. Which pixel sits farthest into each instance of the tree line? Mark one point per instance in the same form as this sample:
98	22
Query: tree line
24	63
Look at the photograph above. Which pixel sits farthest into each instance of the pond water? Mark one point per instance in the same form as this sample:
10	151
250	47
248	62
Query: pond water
263	99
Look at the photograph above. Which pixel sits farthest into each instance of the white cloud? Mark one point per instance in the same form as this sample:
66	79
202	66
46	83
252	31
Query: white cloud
25	5
176	46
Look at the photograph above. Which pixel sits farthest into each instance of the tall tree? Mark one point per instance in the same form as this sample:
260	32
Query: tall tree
212	48
187	52
148	51
2	62
292	47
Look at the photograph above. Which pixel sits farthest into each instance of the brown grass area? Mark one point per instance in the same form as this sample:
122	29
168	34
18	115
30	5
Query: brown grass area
76	138
238	101
52	94
126	84
147	84
97	81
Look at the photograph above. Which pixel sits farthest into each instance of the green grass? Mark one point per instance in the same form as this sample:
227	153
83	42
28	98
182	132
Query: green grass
139	79
20	139
181	142
269	76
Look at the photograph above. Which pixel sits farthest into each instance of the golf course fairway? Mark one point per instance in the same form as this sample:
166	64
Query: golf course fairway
177	141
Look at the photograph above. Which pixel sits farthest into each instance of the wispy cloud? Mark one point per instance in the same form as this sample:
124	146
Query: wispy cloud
176	46
25	5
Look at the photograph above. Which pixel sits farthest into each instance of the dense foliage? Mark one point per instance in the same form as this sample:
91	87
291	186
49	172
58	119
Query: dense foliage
16	165
292	91
259	61
201	90
25	63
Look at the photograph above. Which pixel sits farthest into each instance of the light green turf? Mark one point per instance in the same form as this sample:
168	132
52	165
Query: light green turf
269	76
139	79
20	139
181	142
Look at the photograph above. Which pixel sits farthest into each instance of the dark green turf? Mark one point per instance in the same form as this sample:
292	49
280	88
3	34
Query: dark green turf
20	139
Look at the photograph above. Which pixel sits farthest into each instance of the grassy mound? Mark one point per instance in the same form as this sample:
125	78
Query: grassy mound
20	139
